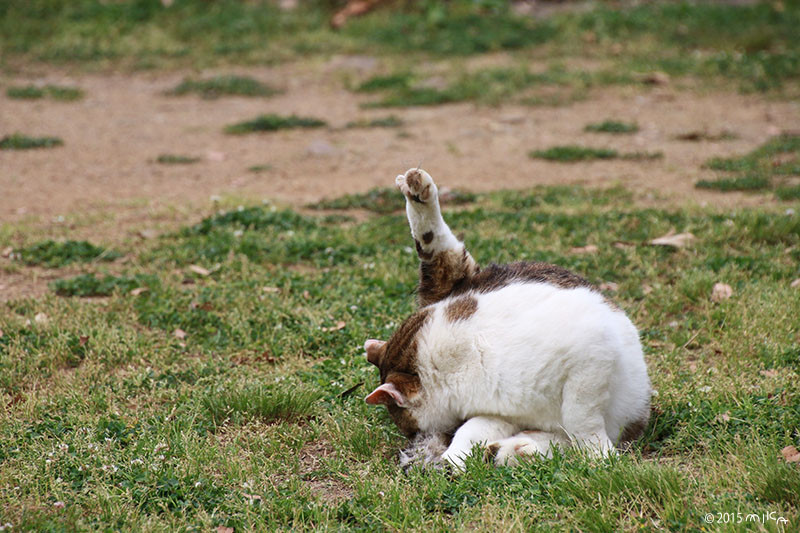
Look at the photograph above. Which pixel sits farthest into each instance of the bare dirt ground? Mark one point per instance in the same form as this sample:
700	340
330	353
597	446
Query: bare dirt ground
106	177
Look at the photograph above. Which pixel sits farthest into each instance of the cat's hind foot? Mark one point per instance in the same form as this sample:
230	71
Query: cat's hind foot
527	444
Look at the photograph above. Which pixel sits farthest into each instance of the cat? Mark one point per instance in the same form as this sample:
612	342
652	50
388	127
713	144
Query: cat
519	358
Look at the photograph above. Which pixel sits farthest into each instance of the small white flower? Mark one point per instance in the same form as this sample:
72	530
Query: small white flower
354	308
137	461
160	446
63	447
197	484
7	525
408	250
238	233
789	212
59	505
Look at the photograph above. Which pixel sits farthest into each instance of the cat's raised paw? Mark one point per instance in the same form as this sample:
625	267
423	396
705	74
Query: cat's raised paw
417	186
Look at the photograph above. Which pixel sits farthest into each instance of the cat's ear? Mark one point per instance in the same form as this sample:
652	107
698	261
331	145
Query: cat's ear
386	394
375	350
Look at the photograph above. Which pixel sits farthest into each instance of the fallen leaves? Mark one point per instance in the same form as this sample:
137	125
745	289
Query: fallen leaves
721	292
224	529
41	318
588	249
790	454
795	284
197	269
609	286
339	325
179	333
675	240
139	290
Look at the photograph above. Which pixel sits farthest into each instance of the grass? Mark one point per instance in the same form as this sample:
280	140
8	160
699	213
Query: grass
753	45
223	86
56	92
18	141
769	166
207	402
54	254
390	121
173	159
274	122
572	153
612	126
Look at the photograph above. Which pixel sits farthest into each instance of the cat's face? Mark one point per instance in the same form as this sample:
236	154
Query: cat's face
400	389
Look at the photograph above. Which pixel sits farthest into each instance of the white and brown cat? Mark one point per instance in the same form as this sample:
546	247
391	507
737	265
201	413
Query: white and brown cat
518	358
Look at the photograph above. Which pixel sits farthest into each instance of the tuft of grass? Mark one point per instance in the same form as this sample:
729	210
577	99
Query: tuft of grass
641	156
273	122
18	141
268	403
573	153
56	92
88	285
172	159
753	182
765	167
612	126
54	254
699	135
788	193
218	86
386	200
260	168
386	122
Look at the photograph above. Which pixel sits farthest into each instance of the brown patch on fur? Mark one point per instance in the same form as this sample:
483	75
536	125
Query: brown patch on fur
490	452
427	237
425	256
461	308
444	274
498	276
399	366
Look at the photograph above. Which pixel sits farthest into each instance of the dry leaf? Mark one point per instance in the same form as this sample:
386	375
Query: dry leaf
588	249
197	269
790	454
139	290
609	286
179	333
147	233
656	78
720	292
647	289
270	289
795	284
7	252
82	340
339	325
306	295
224	529
253	497
620	245
769	373
676	240
723	417
41	318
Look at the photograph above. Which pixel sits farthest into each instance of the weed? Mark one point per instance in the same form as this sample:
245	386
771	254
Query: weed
752	182
54	254
172	159
612	126
386	122
56	92
223	86
240	403
788	193
273	123
569	154
260	168
19	141
88	285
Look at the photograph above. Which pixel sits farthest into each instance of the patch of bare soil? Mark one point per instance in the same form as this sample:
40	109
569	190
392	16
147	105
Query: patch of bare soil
106	173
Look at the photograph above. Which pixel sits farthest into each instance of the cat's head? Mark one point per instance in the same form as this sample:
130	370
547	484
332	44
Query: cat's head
400	389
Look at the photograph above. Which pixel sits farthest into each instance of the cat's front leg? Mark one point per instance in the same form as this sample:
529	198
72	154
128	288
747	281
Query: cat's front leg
444	261
477	430
526	444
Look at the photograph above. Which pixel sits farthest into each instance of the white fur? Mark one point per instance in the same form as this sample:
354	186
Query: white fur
533	356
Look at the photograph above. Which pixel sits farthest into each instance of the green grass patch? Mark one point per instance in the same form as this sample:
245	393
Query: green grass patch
768	166
238	404
752	182
18	141
89	285
173	159
56	92
274	122
386	200
54	254
222	400
612	126
260	168
788	193
385	122
223	86
572	153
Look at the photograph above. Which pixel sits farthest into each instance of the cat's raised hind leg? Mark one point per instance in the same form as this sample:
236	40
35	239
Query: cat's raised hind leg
444	261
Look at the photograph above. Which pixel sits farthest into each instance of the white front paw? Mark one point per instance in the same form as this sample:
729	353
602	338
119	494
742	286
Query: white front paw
417	186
